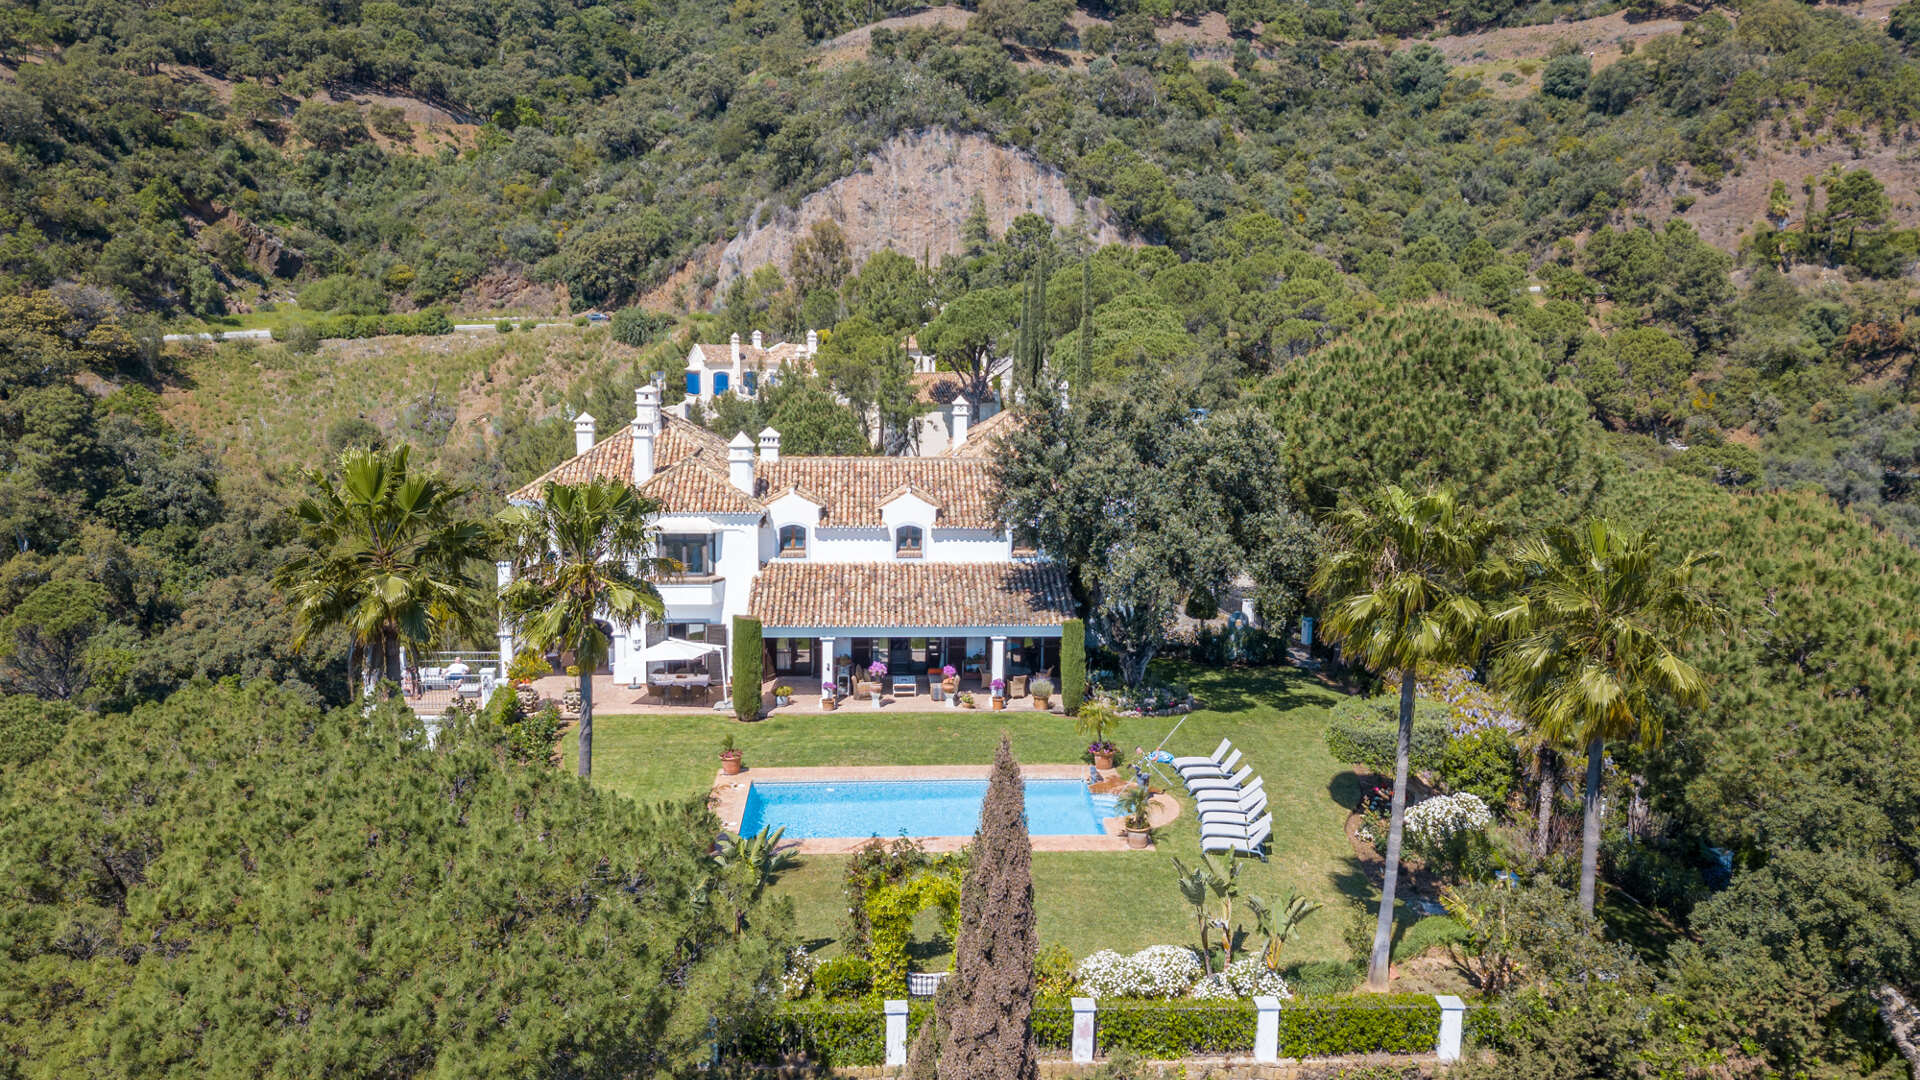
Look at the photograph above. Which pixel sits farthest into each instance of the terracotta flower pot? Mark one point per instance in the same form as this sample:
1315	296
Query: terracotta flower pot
730	763
1103	762
999	703
1041	703
827	704
1139	838
949	685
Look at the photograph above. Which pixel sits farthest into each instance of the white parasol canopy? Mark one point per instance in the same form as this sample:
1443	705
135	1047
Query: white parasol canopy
681	649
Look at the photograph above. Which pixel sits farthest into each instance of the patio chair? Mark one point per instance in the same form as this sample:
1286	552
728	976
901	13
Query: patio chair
1225	783
1250	845
1235	832
1241	816
1241	805
1017	686
1228	796
1181	764
1211	772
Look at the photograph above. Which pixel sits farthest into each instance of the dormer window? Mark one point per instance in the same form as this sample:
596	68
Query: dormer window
793	541
906	542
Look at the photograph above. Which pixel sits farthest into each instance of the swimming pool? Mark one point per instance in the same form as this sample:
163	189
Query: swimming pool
911	808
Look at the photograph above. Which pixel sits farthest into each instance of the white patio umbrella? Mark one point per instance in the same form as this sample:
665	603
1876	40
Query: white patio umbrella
680	649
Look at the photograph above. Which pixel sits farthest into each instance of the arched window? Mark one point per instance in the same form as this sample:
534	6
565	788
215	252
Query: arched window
906	542
793	541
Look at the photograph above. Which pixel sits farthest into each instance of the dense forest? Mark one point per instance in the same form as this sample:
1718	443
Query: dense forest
1286	195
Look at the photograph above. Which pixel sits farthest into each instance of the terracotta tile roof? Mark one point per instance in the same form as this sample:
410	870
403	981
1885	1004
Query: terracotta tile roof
795	594
983	437
613	456
720	357
856	487
936	387
693	486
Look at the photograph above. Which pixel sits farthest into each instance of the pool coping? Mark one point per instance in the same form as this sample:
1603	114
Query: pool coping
728	798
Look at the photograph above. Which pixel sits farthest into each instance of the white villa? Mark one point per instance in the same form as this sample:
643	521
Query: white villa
851	558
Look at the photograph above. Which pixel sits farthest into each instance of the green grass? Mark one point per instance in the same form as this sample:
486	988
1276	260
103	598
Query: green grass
1086	902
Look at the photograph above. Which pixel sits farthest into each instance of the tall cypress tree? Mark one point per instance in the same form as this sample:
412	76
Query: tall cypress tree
1083	372
990	1008
1040	320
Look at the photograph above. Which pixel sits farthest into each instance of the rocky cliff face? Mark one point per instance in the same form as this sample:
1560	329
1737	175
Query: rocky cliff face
915	195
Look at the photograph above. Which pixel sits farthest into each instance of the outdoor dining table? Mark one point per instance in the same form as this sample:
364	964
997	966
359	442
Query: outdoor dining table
683	683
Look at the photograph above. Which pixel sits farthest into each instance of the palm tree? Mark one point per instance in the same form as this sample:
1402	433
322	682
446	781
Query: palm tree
580	555
387	558
1399	586
1593	639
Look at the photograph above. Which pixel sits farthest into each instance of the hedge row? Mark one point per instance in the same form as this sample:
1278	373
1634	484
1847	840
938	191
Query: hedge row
855	1033
1367	732
430	321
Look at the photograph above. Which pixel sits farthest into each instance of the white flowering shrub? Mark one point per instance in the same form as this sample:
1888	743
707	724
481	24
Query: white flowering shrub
798	978
1443	817
1246	977
1158	971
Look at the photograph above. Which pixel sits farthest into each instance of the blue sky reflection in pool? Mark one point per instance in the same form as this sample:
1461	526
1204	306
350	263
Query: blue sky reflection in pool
911	808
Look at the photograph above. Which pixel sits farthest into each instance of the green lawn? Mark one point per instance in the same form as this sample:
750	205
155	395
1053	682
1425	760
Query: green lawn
1087	902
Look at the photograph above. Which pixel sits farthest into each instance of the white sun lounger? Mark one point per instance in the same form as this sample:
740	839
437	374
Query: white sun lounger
1246	809
1249	846
1236	833
1229	794
1221	783
1219	754
1213	771
1234	815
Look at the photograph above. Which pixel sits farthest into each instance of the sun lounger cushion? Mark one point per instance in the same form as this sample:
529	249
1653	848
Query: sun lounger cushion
1219	754
1211	768
1216	783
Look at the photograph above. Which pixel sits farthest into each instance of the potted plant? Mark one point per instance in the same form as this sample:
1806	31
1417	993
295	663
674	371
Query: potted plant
1134	805
729	757
1098	721
949	679
1042	690
527	666
828	693
782	695
999	694
571	700
966	701
876	681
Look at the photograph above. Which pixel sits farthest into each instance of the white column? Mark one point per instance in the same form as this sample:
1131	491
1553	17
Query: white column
1083	1011
503	575
1453	1026
826	669
1266	1032
896	1033
999	660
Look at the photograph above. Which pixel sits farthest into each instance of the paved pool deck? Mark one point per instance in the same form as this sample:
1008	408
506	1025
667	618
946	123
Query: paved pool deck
729	801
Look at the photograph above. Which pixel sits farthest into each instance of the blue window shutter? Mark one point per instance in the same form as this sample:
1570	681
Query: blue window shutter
719	382
693	383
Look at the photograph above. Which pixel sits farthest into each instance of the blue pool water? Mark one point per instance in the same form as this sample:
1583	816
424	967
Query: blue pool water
911	808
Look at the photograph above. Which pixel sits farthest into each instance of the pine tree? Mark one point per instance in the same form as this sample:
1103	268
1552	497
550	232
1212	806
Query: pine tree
976	232
989	1034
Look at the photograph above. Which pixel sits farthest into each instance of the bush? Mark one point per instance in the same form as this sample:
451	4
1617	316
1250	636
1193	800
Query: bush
1053	972
1323	978
504	326
30	728
833	1036
1484	763
1371	1024
1654	875
747	660
1158	971
638	326
1366	731
428	322
1177	1029
843	977
1247	977
1073	665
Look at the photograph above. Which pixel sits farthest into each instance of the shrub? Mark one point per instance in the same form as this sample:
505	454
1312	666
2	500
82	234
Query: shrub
1073	665
1041	688
30	728
1158	971
1366	731
1053	971
1654	875
1177	1029
1323	978
504	326
638	326
1483	763
843	977
1371	1024
830	1035
1245	978
747	661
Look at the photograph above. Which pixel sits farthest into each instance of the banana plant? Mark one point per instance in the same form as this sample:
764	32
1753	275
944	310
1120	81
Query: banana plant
760	852
1220	880
1193	886
1279	924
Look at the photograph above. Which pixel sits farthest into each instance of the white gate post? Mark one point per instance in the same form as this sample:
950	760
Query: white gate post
1453	1026
1266	1031
1083	1009
896	1033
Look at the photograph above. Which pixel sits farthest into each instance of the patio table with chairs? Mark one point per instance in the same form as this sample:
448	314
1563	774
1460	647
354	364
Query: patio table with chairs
685	685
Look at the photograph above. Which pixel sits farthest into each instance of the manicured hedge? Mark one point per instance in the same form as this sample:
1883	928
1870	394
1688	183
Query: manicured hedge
1367	732
747	658
831	1034
1073	666
1380	1024
1053	1023
1176	1029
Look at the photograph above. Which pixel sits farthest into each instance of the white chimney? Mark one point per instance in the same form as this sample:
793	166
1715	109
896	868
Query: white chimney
813	342
962	413
740	462
646	425
736	349
583	439
769	445
756	339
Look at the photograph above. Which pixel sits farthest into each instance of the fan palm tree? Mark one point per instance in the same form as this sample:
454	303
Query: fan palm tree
1399	589
580	555
387	558
1593	639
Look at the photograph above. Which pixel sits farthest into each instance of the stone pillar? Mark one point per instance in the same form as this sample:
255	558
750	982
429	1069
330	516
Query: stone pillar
503	576
1083	1010
1266	1032
999	661
1453	1026
896	1033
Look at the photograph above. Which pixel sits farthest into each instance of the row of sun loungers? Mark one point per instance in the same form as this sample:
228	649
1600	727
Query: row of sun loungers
1232	803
